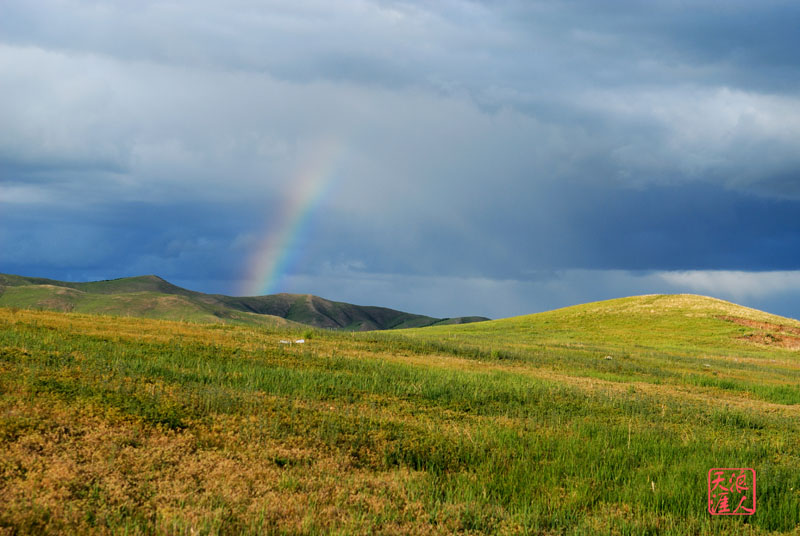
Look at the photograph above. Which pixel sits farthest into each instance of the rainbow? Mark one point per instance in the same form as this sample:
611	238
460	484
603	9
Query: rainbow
277	252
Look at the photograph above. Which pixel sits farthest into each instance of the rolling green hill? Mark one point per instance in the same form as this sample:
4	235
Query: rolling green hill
603	418
152	297
657	339
657	323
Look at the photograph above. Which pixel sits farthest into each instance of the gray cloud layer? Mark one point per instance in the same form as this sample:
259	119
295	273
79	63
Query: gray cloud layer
484	142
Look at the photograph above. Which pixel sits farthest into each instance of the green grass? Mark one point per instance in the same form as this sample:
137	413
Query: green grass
152	297
514	426
143	304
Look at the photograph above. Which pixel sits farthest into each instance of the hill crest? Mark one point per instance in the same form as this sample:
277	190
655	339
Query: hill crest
662	322
145	296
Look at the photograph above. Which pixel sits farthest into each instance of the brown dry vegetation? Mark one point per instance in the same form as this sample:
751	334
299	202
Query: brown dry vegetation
768	333
89	466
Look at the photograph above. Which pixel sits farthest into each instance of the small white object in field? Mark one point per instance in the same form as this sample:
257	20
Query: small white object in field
609	357
706	365
285	342
299	341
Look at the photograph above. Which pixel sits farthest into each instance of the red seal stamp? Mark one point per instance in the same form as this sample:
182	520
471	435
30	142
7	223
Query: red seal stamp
732	492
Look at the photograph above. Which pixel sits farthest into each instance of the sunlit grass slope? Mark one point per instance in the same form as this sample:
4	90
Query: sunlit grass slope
122	425
144	296
143	304
658	339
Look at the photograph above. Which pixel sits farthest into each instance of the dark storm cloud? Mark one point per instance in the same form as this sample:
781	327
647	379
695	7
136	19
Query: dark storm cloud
738	43
485	145
582	226
693	226
200	243
458	45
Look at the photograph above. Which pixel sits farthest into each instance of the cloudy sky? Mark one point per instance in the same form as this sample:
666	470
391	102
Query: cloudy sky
441	157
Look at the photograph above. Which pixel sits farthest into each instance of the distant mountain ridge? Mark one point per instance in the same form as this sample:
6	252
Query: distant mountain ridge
153	297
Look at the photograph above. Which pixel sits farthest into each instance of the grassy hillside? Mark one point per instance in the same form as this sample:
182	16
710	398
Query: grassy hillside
322	313
145	283
132	298
518	426
706	342
152	297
